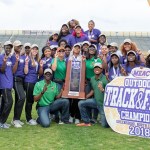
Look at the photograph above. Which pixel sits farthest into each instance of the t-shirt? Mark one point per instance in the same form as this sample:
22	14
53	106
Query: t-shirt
6	78
49	95
114	72
128	68
90	66
32	75
46	64
20	70
98	95
60	72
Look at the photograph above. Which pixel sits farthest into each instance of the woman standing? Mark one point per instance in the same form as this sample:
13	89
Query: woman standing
59	67
45	61
18	71
127	46
132	62
31	77
115	69
6	83
92	33
64	33
75	56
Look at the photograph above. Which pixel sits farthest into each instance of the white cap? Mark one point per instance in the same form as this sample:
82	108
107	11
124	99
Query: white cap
127	41
93	45
98	65
77	44
113	44
8	43
115	53
27	44
48	70
34	45
17	43
86	42
131	51
53	46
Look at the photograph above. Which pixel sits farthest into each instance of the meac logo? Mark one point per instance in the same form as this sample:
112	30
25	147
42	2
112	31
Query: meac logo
139	72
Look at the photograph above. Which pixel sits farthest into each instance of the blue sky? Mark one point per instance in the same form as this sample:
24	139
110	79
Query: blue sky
109	15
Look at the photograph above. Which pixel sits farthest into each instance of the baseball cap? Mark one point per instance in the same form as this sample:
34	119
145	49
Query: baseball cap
93	45
34	45
77	26
77	44
127	41
17	43
115	53
60	48
131	51
53	46
98	65
68	46
27	44
86	42
8	43
48	70
113	44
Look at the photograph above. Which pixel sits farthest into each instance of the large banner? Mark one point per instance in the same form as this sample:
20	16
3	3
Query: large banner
127	103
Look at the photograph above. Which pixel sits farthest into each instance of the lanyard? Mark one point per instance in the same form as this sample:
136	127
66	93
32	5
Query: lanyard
116	72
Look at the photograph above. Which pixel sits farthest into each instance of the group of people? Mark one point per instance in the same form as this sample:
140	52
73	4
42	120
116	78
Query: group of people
41	79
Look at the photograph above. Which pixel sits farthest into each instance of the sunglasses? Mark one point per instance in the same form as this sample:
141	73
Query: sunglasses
92	48
61	51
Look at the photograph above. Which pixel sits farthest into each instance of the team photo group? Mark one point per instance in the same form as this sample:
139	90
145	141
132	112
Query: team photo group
40	76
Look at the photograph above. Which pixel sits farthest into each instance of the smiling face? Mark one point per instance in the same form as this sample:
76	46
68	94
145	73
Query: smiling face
67	51
48	76
98	70
47	53
78	30
91	25
76	50
102	40
7	49
127	46
92	50
64	30
104	50
131	57
61	53
17	49
27	50
34	51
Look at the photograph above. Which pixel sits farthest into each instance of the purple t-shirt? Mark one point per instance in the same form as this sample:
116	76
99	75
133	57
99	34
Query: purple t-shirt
114	72
128	68
94	34
46	64
6	78
66	37
74	39
53	43
21	64
32	76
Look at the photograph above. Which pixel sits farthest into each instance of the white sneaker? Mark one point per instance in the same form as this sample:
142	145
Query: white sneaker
71	119
8	125
32	122
20	122
60	122
3	126
77	121
16	124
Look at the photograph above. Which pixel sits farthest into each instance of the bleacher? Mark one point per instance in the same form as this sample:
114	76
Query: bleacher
40	37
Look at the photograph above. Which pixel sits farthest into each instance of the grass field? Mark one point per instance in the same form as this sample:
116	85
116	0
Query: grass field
67	137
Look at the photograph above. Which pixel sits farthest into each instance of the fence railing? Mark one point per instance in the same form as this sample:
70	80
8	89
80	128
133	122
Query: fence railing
49	32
